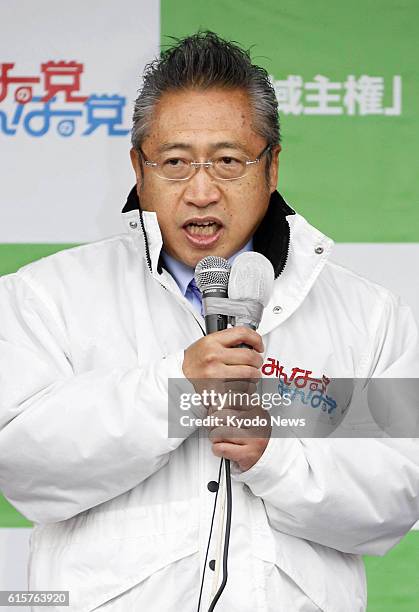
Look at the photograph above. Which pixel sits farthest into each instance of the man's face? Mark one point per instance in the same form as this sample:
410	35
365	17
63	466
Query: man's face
202	125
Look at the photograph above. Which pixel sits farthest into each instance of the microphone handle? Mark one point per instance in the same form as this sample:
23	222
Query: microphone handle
242	344
215	322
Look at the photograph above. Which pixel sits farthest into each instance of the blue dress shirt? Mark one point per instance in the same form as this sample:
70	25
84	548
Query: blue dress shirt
184	275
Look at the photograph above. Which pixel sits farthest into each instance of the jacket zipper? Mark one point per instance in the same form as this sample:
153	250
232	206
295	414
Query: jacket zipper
148	259
147	250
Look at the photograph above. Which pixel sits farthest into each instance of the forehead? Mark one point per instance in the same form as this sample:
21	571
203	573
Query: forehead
200	117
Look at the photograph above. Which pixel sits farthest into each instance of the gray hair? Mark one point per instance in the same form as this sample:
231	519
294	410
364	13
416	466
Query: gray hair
201	61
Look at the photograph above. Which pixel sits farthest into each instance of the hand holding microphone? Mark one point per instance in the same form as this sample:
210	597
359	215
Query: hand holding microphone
249	290
217	356
224	355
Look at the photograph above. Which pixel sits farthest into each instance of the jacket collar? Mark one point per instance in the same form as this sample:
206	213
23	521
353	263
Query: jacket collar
296	249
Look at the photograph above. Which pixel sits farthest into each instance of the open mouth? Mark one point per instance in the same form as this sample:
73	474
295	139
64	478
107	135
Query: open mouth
202	232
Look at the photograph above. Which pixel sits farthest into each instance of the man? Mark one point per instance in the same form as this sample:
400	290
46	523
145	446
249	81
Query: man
91	336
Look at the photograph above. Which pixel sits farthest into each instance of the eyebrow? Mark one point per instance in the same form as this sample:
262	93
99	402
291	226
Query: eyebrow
169	146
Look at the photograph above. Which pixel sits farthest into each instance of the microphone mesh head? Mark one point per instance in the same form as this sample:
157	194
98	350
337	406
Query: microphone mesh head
252	278
212	271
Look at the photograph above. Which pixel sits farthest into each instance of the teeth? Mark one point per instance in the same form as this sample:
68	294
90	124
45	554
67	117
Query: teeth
205	229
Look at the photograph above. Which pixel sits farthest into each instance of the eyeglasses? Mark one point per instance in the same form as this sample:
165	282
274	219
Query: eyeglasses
224	167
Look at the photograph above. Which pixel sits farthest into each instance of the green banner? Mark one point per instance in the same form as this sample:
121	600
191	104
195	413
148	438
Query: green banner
346	80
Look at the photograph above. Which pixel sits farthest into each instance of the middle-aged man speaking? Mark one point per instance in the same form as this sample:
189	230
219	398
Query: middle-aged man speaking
91	336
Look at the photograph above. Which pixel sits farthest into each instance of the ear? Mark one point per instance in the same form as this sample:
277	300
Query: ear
273	172
136	164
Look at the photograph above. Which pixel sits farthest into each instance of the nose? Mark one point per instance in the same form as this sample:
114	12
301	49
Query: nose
201	190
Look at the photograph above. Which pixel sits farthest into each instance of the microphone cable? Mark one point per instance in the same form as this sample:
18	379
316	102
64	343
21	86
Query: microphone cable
226	536
218	552
210	534
226	464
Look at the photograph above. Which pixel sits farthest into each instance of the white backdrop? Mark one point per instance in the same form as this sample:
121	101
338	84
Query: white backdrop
57	188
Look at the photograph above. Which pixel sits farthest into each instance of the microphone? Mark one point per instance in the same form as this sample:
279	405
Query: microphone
211	276
251	281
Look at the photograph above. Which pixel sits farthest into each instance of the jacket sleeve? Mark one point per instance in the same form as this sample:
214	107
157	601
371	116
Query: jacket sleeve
356	495
69	442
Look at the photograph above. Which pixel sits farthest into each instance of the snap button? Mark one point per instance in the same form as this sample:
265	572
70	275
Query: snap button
212	486
277	309
133	224
212	564
319	250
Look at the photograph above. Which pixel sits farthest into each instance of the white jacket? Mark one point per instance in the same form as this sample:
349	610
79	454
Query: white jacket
88	340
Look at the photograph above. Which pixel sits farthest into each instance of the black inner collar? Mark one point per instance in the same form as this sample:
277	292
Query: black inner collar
271	238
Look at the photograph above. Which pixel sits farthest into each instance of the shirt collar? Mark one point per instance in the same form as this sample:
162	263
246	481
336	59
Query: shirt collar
183	274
